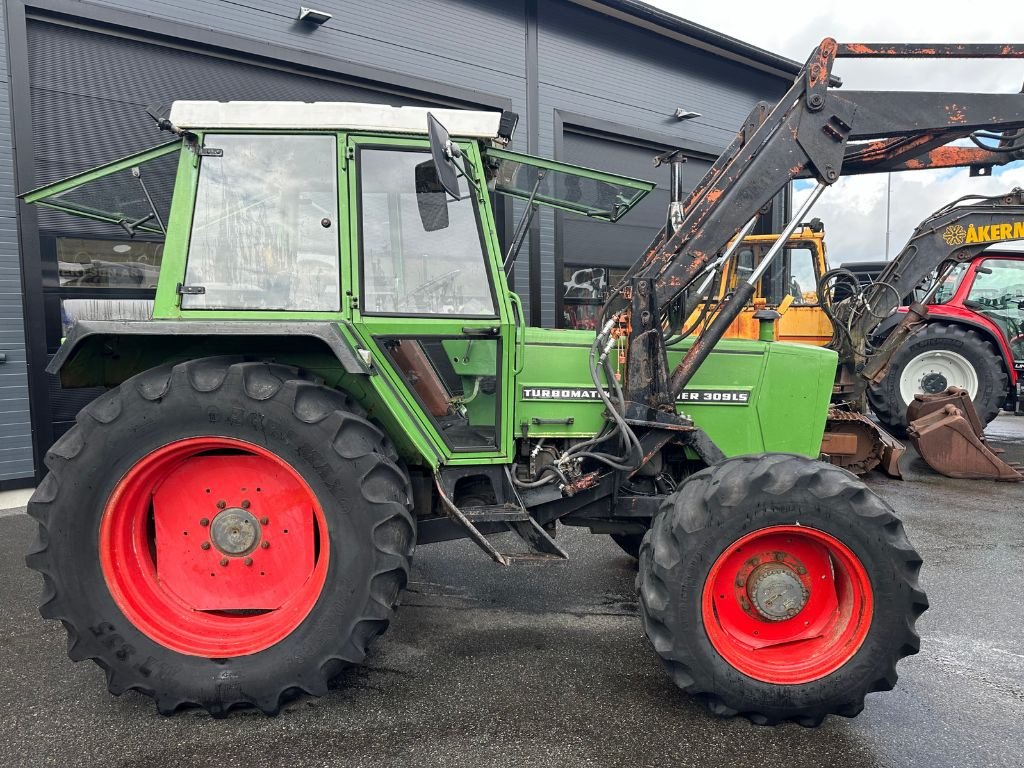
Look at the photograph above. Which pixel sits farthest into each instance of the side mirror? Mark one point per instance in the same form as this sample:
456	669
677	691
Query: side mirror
431	197
443	150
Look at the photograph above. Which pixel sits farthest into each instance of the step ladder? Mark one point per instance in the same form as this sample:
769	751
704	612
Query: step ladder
508	511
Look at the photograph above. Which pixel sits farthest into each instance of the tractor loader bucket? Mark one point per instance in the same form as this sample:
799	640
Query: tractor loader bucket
855	443
949	436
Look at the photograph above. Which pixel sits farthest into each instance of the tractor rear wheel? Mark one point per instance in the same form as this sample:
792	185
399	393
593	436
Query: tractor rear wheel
779	588
939	357
221	534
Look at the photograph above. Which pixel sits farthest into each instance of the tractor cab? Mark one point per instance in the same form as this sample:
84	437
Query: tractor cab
353	217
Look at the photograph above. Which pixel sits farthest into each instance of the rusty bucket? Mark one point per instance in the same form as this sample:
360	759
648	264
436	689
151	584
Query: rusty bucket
949	436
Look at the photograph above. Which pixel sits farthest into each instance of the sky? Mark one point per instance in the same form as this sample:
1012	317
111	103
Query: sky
854	208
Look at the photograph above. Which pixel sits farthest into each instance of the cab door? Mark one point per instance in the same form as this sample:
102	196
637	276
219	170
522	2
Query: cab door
428	298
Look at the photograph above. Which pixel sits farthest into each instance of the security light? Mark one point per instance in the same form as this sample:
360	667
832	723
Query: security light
685	114
314	16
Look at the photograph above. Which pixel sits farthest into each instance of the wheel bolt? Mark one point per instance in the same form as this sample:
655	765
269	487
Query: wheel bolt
264	520
221	504
265	545
205	521
223	561
248	561
205	545
245	503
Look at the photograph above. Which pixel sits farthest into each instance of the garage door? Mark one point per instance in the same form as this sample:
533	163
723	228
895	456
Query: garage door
594	255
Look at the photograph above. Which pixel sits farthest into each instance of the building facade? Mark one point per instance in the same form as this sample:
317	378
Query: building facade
596	82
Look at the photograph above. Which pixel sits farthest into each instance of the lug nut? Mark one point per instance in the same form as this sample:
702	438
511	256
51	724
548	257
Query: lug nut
245	503
221	504
248	561
205	545
265	545
223	561
264	520
205	521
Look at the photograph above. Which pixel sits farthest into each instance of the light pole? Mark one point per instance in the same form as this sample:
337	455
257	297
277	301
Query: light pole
888	211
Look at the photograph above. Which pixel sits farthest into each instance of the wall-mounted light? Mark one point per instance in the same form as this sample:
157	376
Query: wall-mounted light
313	16
684	114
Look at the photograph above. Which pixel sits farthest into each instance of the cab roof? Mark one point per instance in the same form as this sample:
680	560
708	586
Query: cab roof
329	115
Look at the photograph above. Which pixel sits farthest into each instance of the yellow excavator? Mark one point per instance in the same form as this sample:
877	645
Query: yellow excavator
940	366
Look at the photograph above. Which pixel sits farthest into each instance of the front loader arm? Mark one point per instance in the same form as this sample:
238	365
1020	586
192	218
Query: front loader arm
810	133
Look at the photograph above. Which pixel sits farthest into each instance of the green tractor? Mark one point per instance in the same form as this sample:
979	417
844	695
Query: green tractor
335	370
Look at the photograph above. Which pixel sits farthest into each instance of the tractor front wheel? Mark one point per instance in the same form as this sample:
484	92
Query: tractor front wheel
779	588
221	534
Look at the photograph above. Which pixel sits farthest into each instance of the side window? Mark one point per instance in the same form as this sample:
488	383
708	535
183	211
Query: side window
265	226
999	295
406	269
803	284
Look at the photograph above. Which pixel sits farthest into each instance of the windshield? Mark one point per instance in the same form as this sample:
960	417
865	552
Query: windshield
567	187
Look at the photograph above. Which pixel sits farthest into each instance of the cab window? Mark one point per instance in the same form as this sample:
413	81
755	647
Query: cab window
265	227
408	269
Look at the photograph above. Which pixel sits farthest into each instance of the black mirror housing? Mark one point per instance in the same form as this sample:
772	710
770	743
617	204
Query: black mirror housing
431	197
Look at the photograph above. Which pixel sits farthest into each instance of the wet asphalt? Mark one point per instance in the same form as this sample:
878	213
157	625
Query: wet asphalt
547	665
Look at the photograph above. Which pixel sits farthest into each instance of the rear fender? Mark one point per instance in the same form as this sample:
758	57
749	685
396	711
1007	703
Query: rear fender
106	352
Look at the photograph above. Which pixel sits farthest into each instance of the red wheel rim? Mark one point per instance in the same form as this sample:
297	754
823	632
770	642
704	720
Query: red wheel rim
787	604
214	547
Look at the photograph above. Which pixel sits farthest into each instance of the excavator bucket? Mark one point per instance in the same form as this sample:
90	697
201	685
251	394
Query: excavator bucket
949	436
855	443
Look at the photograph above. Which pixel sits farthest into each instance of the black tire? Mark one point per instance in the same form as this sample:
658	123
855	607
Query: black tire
321	433
886	400
714	509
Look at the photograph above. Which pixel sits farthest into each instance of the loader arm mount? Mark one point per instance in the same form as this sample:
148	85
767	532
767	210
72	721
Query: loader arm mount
813	132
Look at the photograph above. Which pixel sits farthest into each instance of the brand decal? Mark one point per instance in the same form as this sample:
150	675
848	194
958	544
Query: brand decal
955	234
691	396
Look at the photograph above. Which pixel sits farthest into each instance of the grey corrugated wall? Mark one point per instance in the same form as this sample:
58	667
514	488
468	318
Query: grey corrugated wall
15	422
587	64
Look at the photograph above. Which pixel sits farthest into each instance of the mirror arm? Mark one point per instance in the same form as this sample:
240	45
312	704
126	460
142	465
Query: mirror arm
462	170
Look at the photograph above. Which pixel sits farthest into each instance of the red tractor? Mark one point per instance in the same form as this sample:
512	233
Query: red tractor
972	339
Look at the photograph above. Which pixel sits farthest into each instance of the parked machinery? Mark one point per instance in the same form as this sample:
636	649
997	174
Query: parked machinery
337	369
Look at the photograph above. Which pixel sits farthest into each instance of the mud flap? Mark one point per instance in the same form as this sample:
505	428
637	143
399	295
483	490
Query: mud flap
949	436
855	443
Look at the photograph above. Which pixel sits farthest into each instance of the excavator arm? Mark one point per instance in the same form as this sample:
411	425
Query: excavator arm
813	132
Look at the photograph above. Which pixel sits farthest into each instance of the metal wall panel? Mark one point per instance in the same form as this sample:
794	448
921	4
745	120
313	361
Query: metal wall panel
16	460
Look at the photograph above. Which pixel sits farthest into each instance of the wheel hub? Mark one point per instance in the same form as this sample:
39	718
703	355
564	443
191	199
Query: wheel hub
933	383
776	592
235	532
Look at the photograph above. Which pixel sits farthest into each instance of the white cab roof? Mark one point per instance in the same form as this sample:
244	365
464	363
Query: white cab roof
329	115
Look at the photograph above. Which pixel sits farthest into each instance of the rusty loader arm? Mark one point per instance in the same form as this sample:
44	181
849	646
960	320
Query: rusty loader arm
813	132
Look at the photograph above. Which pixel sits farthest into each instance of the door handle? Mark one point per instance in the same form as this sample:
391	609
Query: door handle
481	331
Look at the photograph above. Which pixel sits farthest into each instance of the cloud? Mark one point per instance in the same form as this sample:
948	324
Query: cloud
855	208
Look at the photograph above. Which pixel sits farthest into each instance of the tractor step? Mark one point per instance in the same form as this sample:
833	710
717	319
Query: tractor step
509	512
496	513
